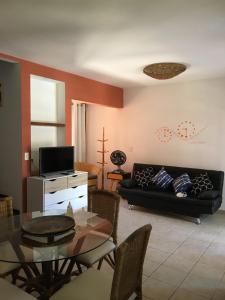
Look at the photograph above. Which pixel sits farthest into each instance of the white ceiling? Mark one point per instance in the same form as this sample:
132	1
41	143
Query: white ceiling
112	41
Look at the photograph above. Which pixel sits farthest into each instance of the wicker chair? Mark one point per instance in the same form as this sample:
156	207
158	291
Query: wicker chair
7	269
106	204
6	209
127	279
11	292
93	173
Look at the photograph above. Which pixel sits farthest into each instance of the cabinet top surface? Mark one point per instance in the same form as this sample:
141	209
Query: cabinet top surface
59	175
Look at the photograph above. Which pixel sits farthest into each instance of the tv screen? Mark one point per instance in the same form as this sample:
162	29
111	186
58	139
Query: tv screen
56	159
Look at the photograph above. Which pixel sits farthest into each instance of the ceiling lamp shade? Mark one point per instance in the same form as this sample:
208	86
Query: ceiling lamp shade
164	70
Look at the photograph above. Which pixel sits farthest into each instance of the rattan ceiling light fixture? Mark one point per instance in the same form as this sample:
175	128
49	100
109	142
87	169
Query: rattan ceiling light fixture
164	70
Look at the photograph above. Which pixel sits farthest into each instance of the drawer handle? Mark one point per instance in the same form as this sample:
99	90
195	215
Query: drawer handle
74	175
80	196
60	202
52	192
52	179
74	187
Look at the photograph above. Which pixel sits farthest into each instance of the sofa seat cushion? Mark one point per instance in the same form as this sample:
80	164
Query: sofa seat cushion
162	195
205	195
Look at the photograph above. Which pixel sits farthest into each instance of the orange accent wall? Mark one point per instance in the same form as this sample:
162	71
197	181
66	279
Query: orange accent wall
76	87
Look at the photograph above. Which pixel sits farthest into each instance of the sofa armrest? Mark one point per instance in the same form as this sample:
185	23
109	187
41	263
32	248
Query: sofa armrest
208	195
128	183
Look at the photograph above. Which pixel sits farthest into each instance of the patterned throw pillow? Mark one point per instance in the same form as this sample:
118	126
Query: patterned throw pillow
182	183
162	179
201	183
143	177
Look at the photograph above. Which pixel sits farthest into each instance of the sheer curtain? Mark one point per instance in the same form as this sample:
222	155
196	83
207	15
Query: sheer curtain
80	132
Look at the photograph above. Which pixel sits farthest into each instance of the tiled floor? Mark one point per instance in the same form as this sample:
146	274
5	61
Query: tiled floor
183	260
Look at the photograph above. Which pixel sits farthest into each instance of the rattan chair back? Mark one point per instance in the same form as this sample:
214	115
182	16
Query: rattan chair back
130	257
105	204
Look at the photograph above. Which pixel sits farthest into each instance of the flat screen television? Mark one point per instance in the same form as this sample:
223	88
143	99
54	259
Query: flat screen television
56	160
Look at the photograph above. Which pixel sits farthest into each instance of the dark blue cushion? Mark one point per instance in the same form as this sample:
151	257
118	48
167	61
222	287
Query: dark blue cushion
182	183
162	179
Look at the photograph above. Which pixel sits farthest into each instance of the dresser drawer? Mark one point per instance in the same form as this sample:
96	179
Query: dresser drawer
54	197
78	191
76	203
58	206
56	184
77	179
67	194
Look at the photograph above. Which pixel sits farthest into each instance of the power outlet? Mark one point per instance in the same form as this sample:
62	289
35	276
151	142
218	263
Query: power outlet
26	155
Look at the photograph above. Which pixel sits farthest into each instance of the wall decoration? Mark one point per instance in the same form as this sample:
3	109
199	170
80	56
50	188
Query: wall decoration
1	94
185	131
164	134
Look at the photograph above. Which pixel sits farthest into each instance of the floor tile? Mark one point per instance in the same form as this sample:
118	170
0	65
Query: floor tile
157	290
182	294
214	255
220	292
191	250
149	267
179	263
202	235
156	255
169	275
200	285
207	271
164	244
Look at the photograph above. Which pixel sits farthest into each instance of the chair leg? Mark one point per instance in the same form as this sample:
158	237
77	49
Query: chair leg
63	265
138	294
109	262
111	259
56	266
100	263
114	255
14	277
79	268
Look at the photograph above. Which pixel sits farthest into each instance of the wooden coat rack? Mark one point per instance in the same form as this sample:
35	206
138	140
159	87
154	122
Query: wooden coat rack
103	152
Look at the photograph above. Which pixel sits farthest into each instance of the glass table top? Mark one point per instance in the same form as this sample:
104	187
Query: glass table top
91	231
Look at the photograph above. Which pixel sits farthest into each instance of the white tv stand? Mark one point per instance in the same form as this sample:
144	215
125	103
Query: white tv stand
56	191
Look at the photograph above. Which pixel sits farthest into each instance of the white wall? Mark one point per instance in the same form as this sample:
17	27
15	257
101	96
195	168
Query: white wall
47	105
133	129
10	133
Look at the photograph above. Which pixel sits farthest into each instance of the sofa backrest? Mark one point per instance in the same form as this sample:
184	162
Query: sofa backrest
216	177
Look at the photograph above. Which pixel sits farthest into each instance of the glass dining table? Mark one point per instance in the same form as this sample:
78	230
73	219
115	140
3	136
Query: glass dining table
47	266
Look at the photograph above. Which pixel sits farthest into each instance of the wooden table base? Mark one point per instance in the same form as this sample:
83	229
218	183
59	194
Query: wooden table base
50	279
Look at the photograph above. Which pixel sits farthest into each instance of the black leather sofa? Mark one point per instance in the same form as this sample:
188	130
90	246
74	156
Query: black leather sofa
166	200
